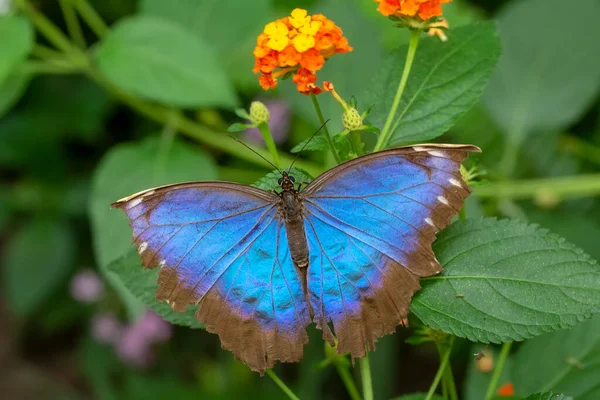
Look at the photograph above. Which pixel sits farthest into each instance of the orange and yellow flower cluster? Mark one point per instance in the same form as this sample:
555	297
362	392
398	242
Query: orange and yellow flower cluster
298	44
425	9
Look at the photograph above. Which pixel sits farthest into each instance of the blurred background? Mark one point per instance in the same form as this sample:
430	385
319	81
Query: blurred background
68	148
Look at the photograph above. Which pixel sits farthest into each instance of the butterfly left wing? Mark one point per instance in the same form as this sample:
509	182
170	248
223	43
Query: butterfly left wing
370	224
224	246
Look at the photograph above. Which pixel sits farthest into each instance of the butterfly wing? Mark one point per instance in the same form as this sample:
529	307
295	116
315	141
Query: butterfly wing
223	246
370	224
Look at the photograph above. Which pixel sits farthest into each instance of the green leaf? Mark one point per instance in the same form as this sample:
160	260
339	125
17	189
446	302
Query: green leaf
316	143
161	61
11	91
271	180
517	281
549	73
229	26
126	169
446	81
548	396
142	284
566	362
37	260
238	127
16	41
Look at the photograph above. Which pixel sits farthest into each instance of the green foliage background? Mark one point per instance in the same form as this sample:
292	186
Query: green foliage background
148	102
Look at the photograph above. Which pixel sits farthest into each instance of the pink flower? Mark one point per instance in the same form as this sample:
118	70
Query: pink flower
106	328
86	286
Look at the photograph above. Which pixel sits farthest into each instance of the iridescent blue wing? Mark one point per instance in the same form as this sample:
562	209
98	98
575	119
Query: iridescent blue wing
370	224
223	246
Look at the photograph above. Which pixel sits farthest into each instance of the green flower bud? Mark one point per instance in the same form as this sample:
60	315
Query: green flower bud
352	120
259	113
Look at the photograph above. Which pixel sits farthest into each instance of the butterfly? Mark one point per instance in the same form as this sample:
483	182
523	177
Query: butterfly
346	252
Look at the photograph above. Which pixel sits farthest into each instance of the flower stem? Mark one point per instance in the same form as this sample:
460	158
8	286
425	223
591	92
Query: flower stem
266	133
347	380
328	138
562	187
282	385
91	17
365	373
357	143
410	57
441	370
72	23
498	370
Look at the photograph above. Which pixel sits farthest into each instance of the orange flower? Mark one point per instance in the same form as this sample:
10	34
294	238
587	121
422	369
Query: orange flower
506	390
425	9
300	44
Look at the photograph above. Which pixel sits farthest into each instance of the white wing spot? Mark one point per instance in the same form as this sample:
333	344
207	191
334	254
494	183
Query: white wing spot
454	182
443	200
429	221
134	203
143	247
436	153
162	263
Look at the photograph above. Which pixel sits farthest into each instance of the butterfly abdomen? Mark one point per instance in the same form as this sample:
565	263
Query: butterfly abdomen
294	226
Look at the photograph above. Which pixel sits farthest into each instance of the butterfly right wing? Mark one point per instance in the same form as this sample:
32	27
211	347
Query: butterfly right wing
224	246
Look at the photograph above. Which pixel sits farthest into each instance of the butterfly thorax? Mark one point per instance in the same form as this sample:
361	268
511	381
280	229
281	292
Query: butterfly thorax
292	210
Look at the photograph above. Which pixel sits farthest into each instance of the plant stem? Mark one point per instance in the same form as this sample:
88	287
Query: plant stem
365	373
347	380
580	148
562	187
266	133
91	17
357	143
72	22
282	385
410	57
448	384
41	67
328	138
46	53
498	370
441	369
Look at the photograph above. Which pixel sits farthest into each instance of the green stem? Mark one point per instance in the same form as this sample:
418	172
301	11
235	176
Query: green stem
581	148
357	143
498	370
328	138
440	372
282	385
410	57
72	22
91	17
365	373
41	67
347	380
266	133
46	53
562	187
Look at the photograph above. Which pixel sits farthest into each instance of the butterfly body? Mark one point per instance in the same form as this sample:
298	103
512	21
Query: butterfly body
345	252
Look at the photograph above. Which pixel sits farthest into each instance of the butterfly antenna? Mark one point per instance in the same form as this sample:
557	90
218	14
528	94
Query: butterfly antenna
255	152
306	144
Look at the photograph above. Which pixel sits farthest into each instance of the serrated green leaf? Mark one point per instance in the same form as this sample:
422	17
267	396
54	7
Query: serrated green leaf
446	81
126	169
142	283
11	90
161	61
16	41
271	180
38	259
536	57
567	362
230	27
517	281
548	396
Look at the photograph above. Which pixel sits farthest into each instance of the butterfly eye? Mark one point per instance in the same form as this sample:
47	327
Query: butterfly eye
279	181
292	179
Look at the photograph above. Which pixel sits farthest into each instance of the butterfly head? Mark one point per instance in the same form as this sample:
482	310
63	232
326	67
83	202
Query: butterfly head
286	181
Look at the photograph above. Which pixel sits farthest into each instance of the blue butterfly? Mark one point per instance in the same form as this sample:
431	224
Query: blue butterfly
348	250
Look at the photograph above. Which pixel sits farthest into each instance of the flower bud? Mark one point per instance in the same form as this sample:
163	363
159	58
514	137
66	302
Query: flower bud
259	113
352	119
